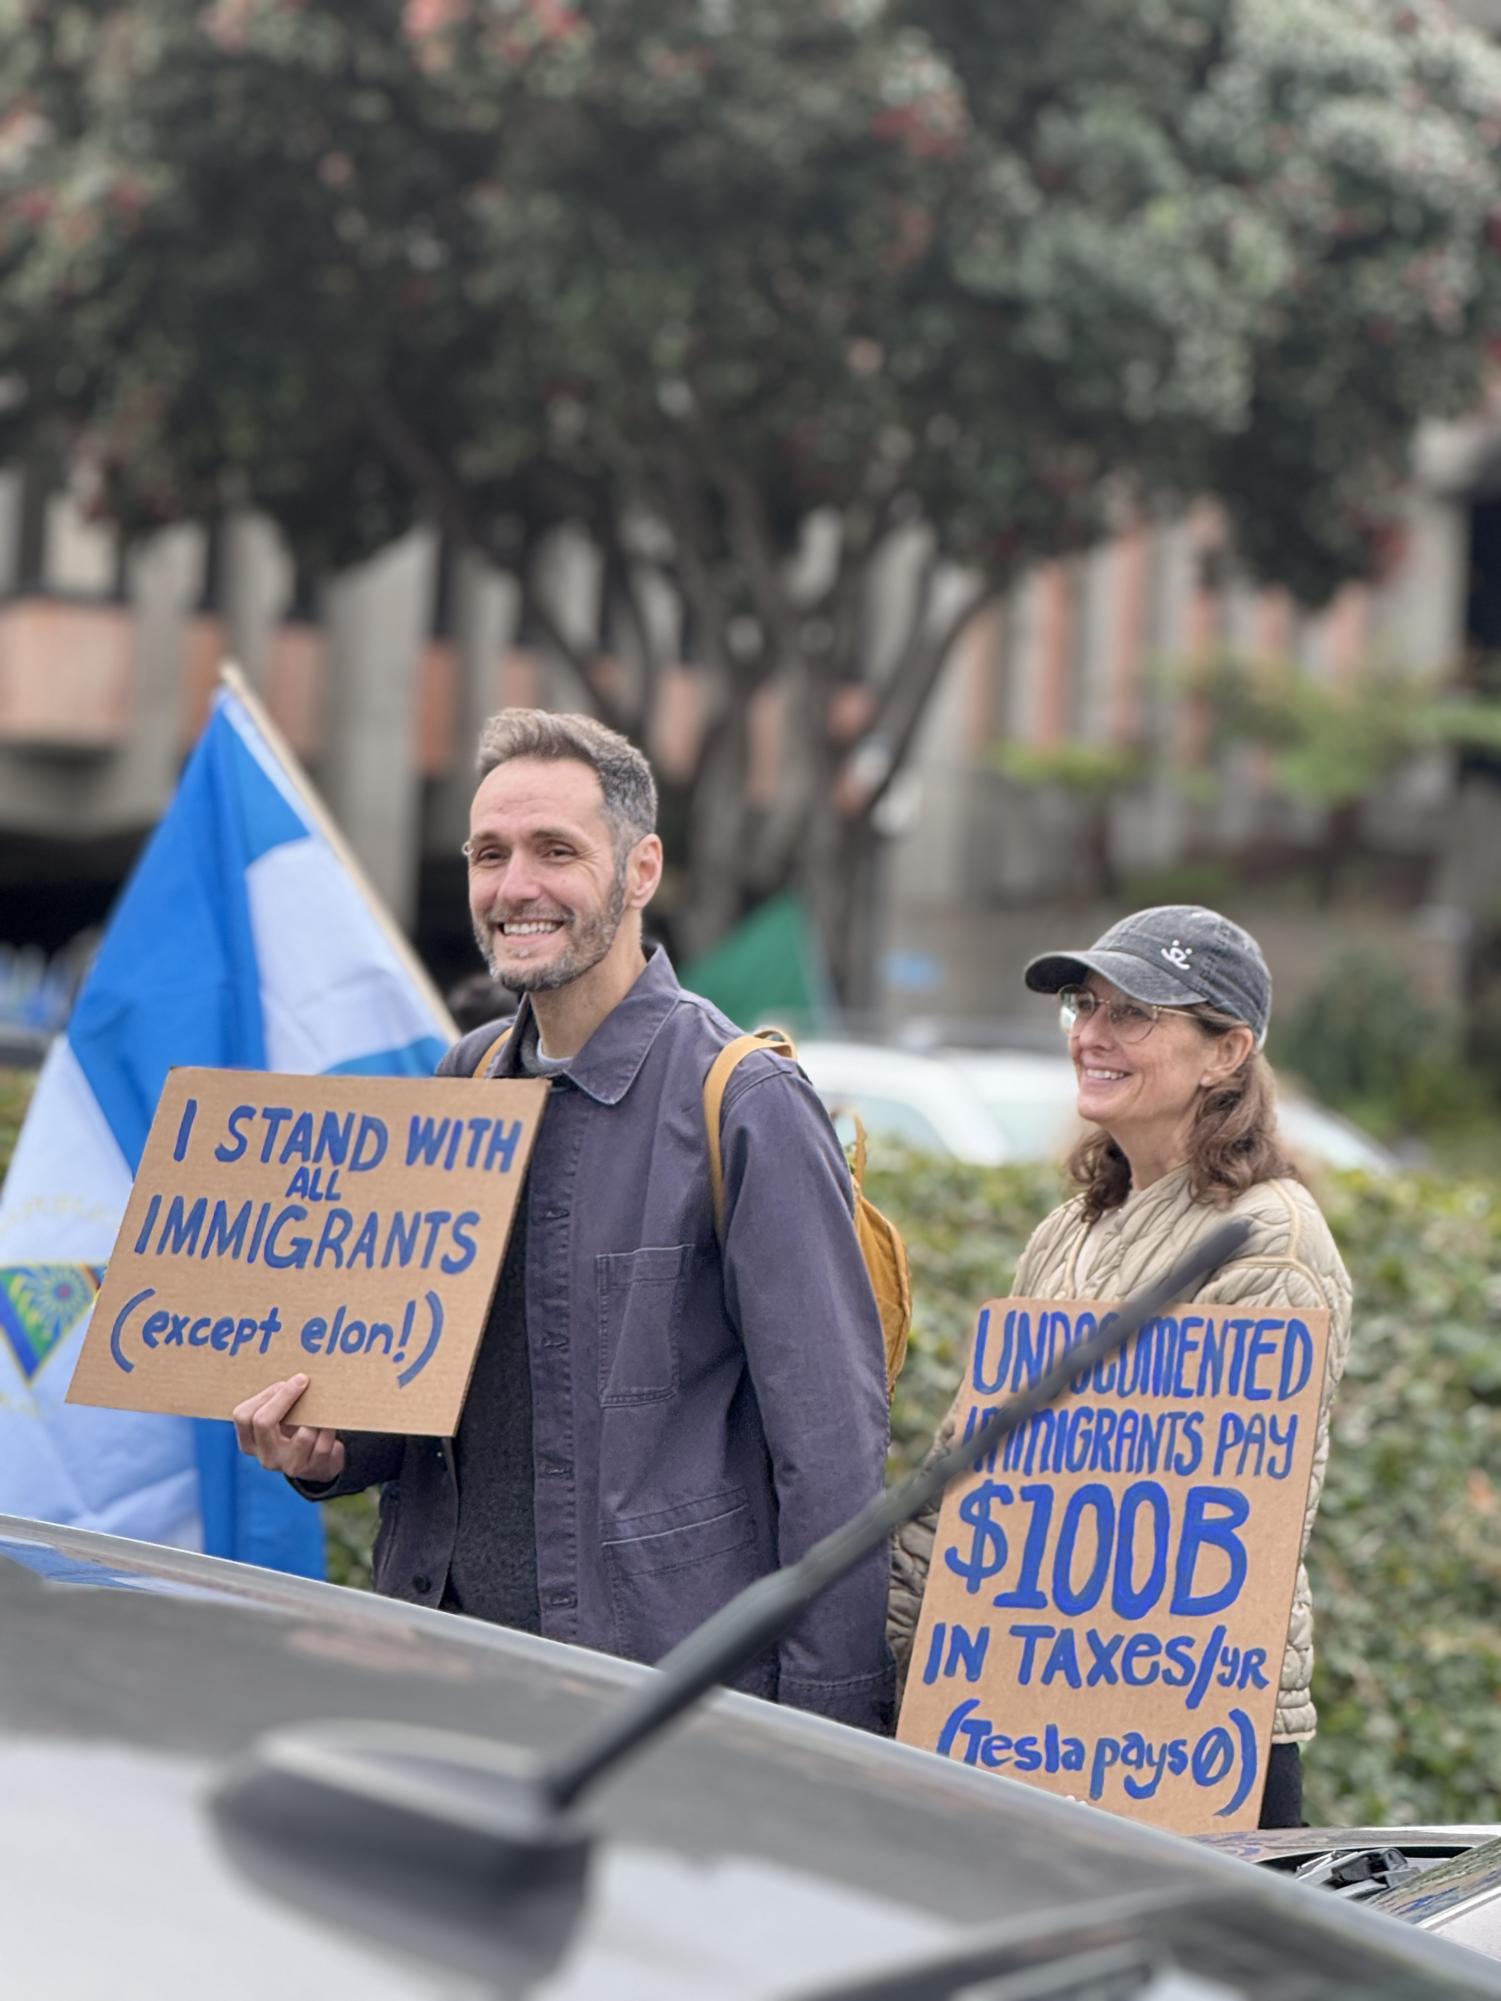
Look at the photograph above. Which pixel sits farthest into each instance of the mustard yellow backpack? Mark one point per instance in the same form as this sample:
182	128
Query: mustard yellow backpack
880	1241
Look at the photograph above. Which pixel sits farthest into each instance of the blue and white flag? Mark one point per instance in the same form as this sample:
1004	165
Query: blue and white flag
241	941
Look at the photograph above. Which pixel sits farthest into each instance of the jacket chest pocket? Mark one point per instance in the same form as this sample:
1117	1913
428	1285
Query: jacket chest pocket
640	1299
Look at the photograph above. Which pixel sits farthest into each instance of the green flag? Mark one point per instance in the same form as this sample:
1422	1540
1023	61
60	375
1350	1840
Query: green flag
768	969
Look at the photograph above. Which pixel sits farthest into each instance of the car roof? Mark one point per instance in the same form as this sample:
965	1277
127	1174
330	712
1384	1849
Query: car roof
990	1106
754	1851
857	1073
1311	1131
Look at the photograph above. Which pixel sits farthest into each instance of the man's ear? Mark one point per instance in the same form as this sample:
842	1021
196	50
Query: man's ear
643	872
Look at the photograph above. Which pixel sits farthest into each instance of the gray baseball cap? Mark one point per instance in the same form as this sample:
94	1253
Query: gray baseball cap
1176	955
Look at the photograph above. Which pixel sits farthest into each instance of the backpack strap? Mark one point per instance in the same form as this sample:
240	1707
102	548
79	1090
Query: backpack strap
483	1065
715	1084
862	1149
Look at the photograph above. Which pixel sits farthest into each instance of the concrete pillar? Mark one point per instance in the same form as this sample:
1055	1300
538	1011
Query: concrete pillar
255	592
1100	610
376	617
1153	826
486	606
10	529
1418	616
1243	619
1025	658
567	572
82	555
163	580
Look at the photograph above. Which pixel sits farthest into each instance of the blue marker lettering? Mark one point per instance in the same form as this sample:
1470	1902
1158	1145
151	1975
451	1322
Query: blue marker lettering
184	1130
1129	1600
276	1117
1203	1528
505	1137
297	1257
461	1258
235	1147
370	1144
153	1208
425	1139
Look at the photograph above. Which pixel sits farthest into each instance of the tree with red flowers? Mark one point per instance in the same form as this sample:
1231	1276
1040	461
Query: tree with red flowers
757	293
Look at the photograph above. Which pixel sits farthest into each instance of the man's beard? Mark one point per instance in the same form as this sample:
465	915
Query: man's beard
590	938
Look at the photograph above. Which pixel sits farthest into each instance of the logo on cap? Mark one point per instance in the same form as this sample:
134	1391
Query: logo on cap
1178	953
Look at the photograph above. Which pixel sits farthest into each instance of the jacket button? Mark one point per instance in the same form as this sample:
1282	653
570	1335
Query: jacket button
422	1582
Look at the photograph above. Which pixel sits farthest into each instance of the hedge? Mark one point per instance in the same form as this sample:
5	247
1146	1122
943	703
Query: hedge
1406	1558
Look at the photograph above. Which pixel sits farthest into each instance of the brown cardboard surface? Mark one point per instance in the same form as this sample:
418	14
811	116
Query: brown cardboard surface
348	1228
1107	1604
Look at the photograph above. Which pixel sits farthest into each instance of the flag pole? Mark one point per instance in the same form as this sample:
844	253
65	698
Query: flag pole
232	677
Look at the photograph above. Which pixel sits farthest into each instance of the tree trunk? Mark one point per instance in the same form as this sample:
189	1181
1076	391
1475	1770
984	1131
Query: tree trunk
1341	841
840	875
713	898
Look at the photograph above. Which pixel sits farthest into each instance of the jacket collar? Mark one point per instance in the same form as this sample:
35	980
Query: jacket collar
606	1066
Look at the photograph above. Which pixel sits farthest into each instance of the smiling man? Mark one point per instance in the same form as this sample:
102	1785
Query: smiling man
658	1416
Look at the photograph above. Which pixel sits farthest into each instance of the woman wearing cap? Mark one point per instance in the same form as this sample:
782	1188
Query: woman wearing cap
1166	1016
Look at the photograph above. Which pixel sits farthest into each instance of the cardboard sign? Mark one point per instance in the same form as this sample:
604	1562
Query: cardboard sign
347	1228
1108	1600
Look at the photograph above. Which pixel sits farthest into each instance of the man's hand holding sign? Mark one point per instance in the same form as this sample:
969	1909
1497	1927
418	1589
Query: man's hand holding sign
340	1236
307	1452
1110	1590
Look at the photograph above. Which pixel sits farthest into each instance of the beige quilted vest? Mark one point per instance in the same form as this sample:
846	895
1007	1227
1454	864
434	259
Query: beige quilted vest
1290	1261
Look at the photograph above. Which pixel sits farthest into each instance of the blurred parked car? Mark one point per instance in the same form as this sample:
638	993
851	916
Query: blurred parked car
21	1048
999	1107
1031	1098
912	1100
219	1781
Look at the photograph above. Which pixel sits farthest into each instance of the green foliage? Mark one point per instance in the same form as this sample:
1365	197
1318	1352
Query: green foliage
1332	743
1207	879
1363	1040
1094	771
964	1228
349	1529
1470	724
1406	1558
15	1095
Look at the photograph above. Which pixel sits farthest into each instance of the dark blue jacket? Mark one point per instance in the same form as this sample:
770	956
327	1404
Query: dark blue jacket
699	1417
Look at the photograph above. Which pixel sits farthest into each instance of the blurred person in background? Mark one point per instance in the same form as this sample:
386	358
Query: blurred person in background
476	1000
1166	1017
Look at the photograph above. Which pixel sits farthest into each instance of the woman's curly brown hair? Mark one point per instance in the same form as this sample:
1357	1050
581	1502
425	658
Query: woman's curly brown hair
1232	1145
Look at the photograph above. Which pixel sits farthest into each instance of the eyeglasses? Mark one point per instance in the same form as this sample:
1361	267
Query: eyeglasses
1130	1021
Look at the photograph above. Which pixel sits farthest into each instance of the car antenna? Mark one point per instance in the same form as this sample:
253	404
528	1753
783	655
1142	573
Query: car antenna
474	1843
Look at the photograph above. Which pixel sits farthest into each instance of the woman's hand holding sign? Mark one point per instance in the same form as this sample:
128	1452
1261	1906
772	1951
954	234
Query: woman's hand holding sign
301	1451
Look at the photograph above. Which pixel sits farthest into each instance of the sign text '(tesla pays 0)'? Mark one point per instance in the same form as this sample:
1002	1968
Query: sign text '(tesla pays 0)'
1109	1593
349	1229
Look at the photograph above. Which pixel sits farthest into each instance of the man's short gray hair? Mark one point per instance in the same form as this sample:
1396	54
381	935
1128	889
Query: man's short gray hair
630	791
